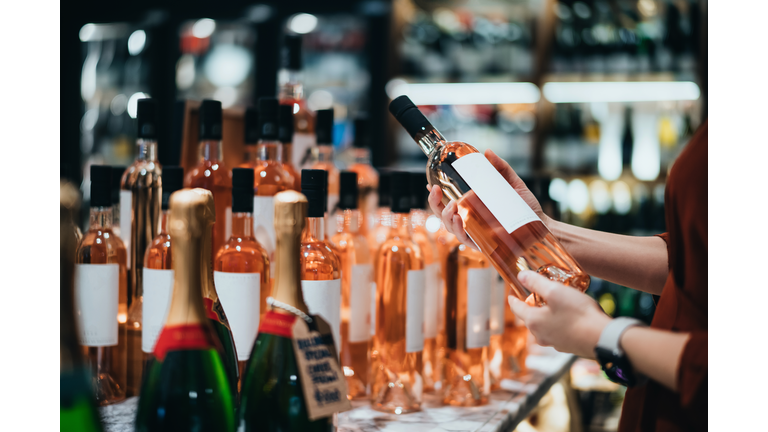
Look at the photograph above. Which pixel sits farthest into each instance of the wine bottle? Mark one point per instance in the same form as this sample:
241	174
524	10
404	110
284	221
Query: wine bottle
356	279
157	275
99	273
367	177
213	308
499	222
320	265
285	134
382	220
272	398
251	136
465	369
77	410
322	159
269	176
241	270
116	181
186	387
420	236
141	182
211	173
291	93
396	357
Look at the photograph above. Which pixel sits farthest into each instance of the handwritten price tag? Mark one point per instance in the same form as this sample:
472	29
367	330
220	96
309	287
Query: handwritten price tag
323	383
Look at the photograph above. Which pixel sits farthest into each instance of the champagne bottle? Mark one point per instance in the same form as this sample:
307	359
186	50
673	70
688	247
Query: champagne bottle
499	222
77	410
186	387
272	398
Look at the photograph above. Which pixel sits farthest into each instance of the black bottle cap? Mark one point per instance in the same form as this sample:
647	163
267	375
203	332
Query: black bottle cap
210	120
290	56
101	186
251	126
146	114
400	184
117	176
385	199
324	126
419	192
285	123
173	180
314	185
409	116
268	118
348	190
361	132
242	190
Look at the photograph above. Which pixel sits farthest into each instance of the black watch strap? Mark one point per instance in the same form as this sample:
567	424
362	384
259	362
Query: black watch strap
612	358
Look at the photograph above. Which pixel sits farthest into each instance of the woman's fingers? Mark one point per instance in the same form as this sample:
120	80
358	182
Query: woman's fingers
539	284
520	309
435	199
502	167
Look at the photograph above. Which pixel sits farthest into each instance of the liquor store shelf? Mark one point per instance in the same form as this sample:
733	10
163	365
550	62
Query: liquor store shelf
504	411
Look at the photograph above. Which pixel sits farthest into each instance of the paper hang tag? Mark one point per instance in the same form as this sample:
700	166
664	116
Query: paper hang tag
324	385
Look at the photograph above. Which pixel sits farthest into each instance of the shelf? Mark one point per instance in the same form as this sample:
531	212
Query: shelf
506	409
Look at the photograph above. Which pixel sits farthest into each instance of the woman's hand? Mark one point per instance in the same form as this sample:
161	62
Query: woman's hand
449	213
570	321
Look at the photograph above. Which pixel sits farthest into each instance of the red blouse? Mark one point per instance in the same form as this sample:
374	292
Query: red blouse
682	306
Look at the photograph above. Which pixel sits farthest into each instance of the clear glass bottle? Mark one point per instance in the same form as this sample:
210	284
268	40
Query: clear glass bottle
291	92
465	369
251	136
140	189
211	173
241	270
367	176
432	291
509	343
100	271
396	357
320	265
500	223
322	159
356	279
382	220
285	135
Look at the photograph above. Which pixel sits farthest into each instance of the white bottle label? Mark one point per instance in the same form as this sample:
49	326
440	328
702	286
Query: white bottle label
96	288
495	193
126	204
302	142
498	303
414	311
359	303
324	298
264	226
431	290
373	308
240	294
478	307
158	286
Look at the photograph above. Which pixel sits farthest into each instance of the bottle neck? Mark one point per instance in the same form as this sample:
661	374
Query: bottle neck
163	224
209	289
250	153
242	225
290	84
287	152
429	140
186	301
287	285
315	230
211	150
351	220
269	151
361	156
147	150
101	218
400	224
323	153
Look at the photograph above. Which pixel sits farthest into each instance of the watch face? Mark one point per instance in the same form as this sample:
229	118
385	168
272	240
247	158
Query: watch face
612	366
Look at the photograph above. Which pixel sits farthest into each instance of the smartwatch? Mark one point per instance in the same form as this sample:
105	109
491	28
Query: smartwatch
612	358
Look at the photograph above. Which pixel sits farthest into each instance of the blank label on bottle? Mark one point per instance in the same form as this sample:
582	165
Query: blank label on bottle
324	298
264	226
495	193
498	303
431	290
240	295
479	307
414	311
359	303
158	286
126	203
373	309
96	288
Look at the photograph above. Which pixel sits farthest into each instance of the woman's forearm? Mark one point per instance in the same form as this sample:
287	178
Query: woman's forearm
635	262
655	353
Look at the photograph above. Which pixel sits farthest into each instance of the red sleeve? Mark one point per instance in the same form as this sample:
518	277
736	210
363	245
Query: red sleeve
692	373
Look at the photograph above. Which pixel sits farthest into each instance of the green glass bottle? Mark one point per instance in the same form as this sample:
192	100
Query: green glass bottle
272	398
186	388
77	411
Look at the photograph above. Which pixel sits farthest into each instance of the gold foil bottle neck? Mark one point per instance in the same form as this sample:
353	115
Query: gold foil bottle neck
187	213
290	211
290	219
210	206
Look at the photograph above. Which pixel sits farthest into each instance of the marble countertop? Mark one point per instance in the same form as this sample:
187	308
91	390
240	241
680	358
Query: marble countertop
505	410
